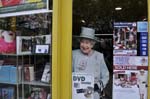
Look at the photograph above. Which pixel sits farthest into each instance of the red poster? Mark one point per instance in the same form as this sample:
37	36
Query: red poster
10	2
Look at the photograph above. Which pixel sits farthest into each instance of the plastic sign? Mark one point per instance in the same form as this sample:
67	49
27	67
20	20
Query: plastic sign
82	86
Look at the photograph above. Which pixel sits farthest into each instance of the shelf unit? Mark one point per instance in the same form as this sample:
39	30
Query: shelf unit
26	71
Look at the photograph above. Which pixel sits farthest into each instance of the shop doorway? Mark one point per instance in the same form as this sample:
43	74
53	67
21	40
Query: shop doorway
102	15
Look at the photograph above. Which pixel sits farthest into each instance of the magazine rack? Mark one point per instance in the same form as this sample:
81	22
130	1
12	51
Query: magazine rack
25	60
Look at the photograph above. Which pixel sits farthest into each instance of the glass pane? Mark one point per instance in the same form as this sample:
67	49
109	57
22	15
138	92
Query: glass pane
25	49
25	53
108	37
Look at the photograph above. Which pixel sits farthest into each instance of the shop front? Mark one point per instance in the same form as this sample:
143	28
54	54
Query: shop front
63	49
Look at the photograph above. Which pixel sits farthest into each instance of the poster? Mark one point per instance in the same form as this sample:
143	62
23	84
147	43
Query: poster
7	6
126	83
130	60
5	3
82	86
125	36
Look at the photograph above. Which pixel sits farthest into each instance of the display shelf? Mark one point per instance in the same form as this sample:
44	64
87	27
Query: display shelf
28	65
38	83
25	13
11	83
24	54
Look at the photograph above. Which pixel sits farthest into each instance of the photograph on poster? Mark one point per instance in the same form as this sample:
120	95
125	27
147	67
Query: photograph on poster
7	42
119	39
130	84
131	40
125	36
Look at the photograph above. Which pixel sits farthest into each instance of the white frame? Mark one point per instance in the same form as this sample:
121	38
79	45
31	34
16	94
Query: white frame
43	48
19	45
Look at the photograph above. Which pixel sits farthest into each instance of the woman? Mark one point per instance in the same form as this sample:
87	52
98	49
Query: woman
90	61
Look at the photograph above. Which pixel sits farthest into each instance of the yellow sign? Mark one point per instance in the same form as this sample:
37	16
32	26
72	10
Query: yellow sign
30	1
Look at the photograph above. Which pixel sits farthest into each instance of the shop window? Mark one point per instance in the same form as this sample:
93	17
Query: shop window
110	42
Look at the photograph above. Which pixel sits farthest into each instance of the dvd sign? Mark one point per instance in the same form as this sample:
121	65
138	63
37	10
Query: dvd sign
82	86
78	78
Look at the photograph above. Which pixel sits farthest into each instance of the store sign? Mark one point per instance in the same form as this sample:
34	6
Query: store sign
82	86
11	6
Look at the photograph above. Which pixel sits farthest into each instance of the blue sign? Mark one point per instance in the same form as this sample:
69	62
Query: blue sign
143	44
142	27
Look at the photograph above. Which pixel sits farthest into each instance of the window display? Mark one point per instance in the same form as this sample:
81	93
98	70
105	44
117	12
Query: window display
25	56
130	69
121	37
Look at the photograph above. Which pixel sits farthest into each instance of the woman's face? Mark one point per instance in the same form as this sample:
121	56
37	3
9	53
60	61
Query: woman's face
8	34
86	46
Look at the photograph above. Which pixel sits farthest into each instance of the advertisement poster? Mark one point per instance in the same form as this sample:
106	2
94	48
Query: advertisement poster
130	60
5	3
125	36
7	6
130	84
82	86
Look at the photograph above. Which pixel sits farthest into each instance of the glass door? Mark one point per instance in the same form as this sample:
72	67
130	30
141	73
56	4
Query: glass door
110	49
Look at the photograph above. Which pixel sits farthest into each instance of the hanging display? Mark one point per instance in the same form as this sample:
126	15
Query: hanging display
130	60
